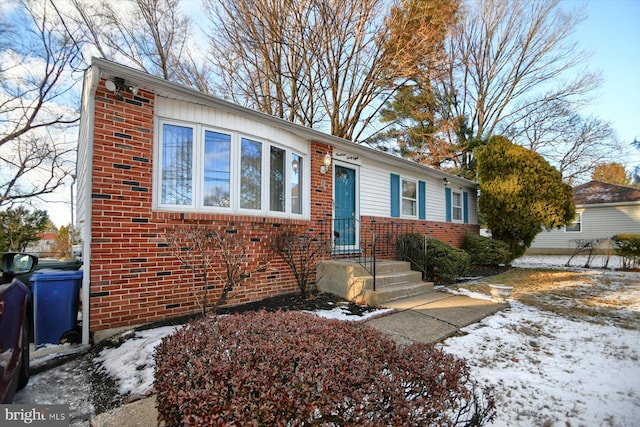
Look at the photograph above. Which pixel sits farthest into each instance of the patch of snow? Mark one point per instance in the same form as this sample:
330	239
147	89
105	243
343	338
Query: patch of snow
67	384
343	313
559	261
469	293
131	364
550	370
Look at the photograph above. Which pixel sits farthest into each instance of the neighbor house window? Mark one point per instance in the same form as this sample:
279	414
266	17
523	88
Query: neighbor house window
409	197
200	168
574	226
217	169
177	165
456	206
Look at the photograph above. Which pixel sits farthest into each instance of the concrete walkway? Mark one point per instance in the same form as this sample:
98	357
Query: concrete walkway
428	318
432	317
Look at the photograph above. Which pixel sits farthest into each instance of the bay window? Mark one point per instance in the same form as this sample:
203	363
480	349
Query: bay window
202	169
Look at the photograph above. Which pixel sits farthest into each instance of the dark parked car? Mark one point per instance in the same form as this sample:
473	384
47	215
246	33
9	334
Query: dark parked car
14	324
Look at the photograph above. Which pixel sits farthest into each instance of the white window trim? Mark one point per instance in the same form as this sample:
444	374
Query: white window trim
402	197
157	165
579	221
197	203
454	206
200	171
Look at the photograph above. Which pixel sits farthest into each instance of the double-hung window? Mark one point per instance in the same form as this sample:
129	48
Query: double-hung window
456	206
409	197
575	226
204	169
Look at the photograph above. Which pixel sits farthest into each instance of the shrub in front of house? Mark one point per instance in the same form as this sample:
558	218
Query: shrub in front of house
486	251
294	369
439	262
627	246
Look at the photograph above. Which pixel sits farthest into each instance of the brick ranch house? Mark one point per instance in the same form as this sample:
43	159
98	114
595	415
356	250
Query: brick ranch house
153	155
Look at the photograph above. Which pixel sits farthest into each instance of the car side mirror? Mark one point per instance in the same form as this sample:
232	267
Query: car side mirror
17	263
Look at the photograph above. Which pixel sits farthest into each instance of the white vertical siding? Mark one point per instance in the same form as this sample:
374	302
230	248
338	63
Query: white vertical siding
84	164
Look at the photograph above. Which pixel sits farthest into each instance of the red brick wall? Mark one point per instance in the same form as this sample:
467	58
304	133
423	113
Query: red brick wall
448	232
134	276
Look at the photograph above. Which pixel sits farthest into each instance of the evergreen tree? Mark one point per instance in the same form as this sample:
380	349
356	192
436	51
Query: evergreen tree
19	227
520	193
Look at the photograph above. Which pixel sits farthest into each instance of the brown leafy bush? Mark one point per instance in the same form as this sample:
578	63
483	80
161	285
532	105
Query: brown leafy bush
293	369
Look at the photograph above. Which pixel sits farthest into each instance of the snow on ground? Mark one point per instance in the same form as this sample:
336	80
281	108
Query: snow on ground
560	261
132	363
550	370
343	313
67	384
546	369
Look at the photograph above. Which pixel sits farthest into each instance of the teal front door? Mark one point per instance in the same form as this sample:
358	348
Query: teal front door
345	226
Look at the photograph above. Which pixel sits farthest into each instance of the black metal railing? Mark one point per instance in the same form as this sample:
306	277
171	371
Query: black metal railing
369	242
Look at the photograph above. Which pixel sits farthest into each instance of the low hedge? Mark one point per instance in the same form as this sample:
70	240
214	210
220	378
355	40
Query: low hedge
294	369
486	251
440	263
627	246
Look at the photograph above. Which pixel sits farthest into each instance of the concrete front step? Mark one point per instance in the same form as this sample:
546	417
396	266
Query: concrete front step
385	294
349	280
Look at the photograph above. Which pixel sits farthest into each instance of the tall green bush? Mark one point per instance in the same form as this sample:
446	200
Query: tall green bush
440	262
486	251
521	194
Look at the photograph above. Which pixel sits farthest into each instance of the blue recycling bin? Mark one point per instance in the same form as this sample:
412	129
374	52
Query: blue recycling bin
55	304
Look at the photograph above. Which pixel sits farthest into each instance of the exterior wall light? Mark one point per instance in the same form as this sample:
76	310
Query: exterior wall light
446	181
118	85
326	163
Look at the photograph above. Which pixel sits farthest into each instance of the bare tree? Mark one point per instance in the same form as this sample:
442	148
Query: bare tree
515	56
573	143
151	35
215	257
301	252
315	62
512	70
37	85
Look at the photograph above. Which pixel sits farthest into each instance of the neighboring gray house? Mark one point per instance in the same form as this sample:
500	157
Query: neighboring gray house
602	211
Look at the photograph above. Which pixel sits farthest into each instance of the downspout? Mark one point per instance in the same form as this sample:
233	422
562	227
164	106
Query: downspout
90	84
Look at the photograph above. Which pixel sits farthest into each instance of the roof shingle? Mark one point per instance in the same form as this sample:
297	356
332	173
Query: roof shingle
596	192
